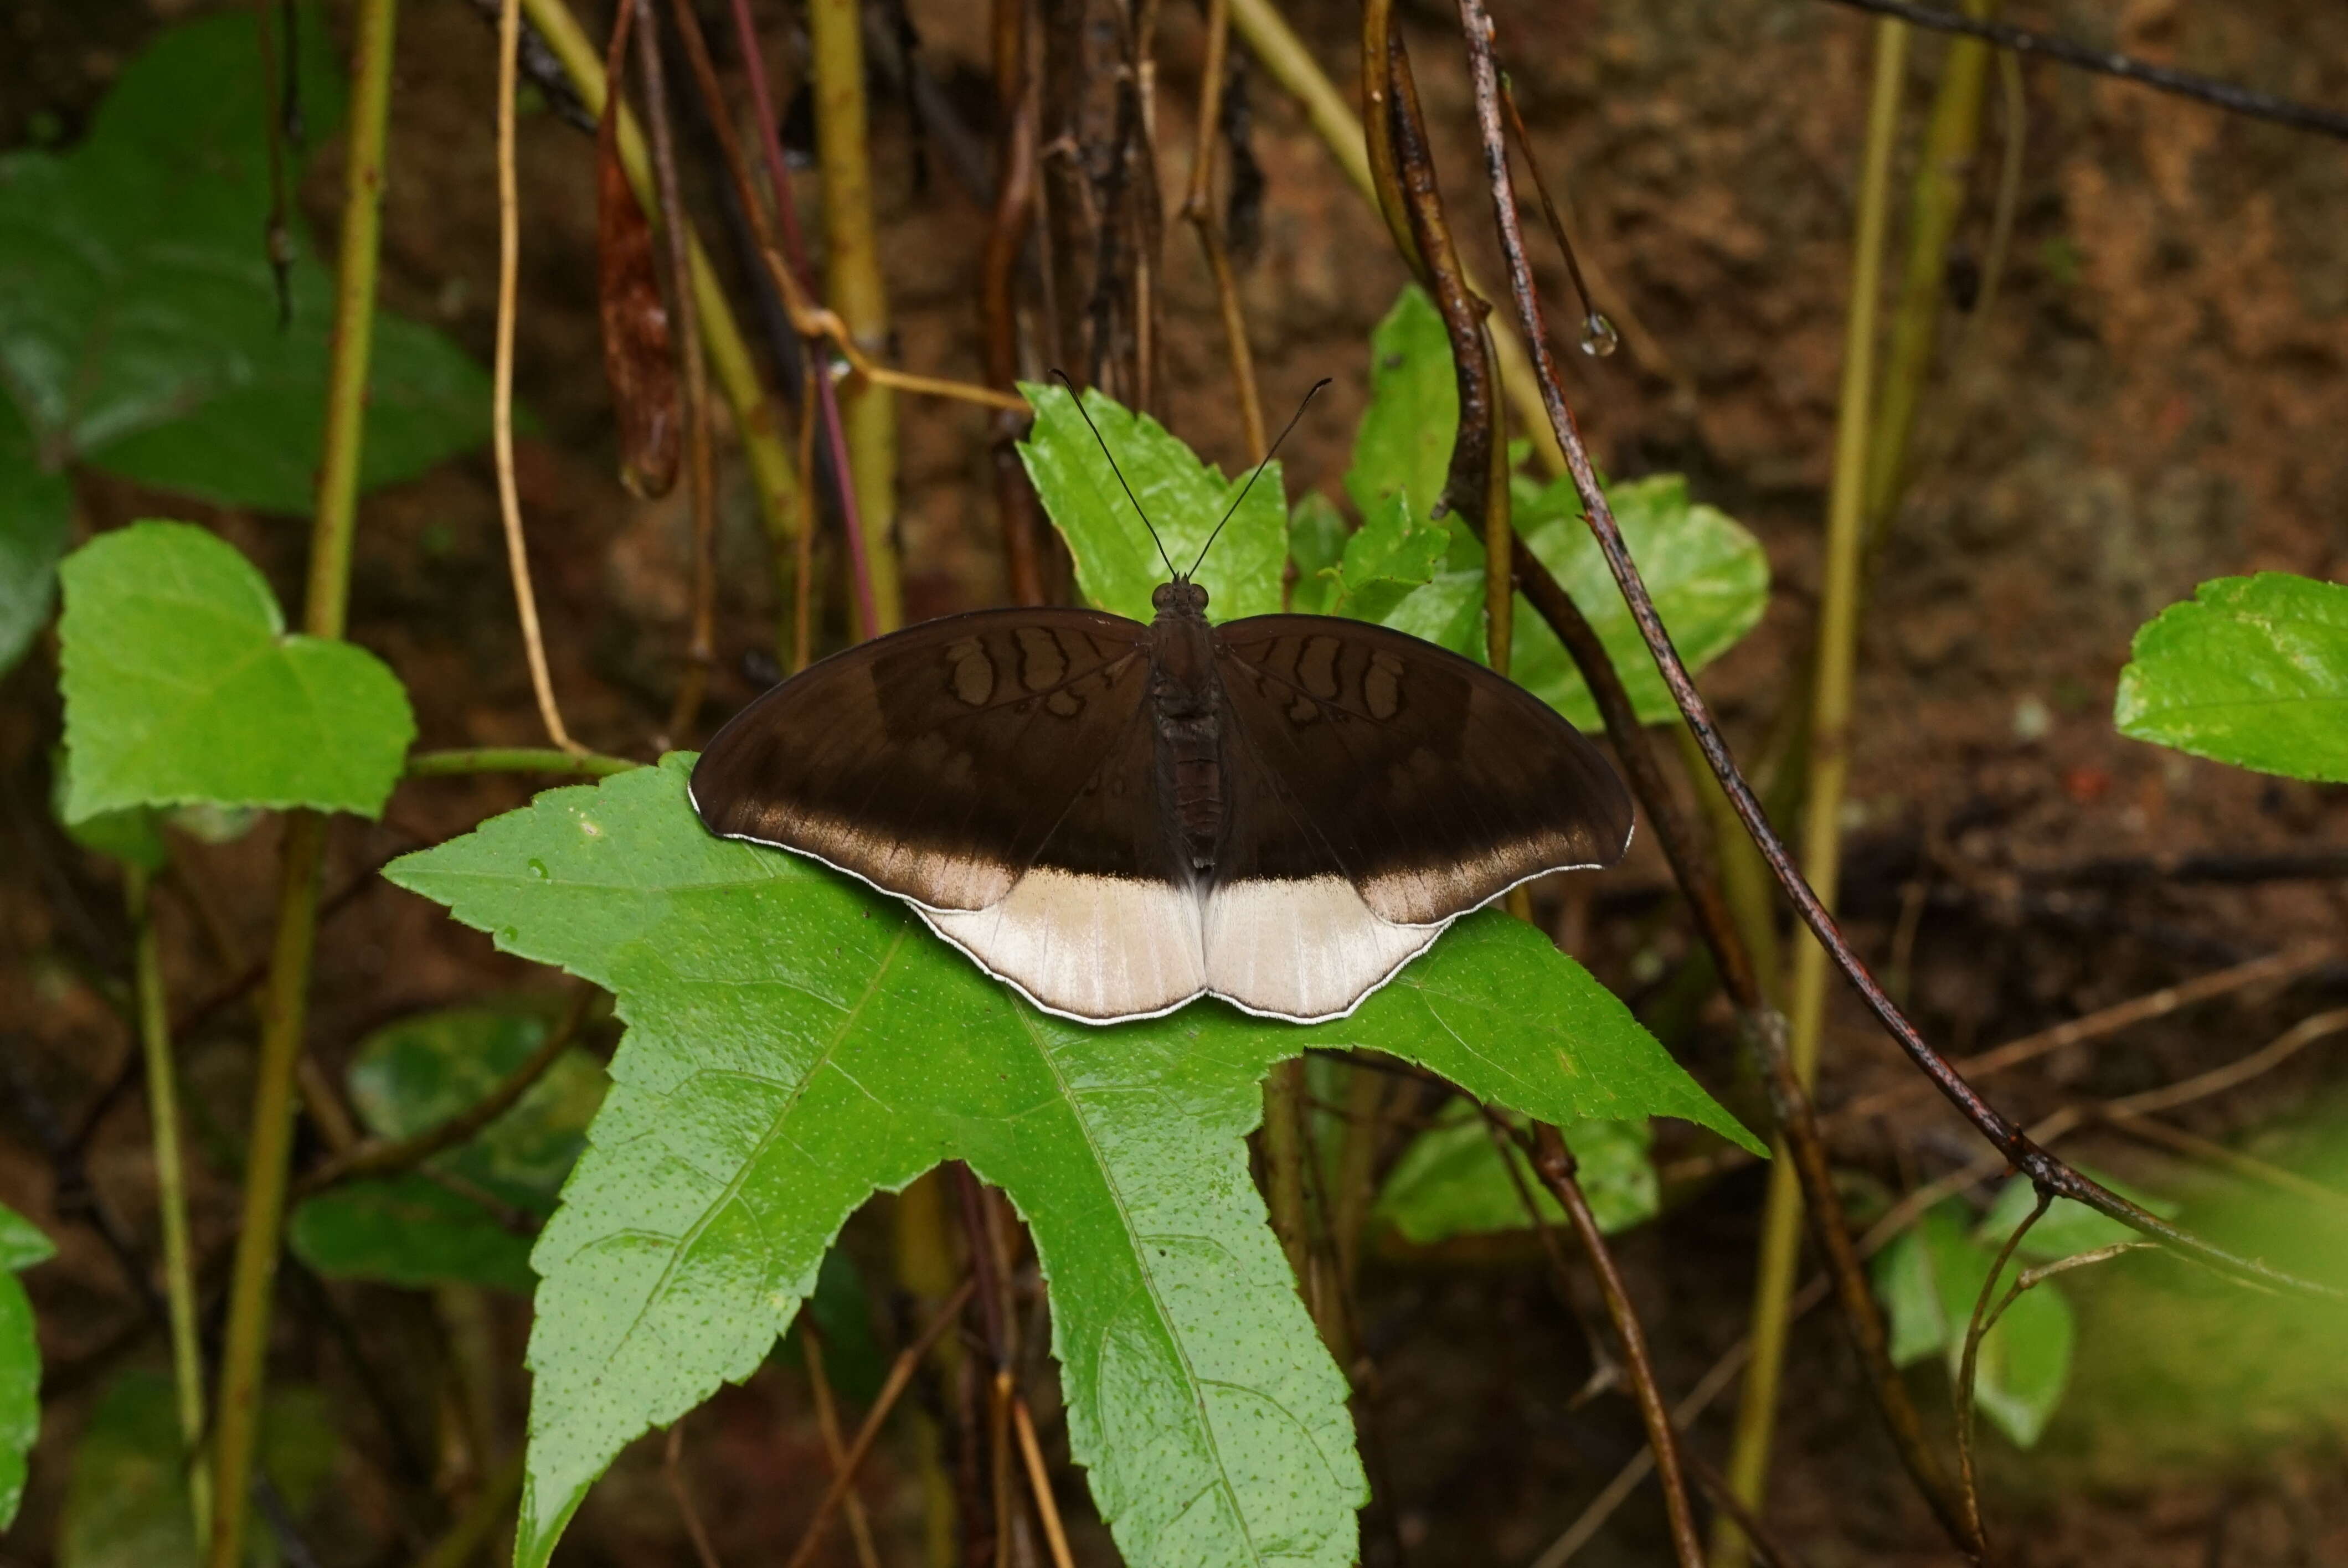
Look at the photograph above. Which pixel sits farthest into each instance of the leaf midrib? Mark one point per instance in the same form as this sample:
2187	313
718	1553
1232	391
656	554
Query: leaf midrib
1132	1234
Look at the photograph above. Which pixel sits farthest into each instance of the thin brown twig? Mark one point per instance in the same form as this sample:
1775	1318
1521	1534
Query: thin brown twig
1765	1544
672	1455
501	379
1969	1364
1605	1371
2269	968
1006	241
826	1421
2193	1146
1555	1163
803	608
2001	1132
901	1374
1761	1026
1039	1481
1199	211
700	478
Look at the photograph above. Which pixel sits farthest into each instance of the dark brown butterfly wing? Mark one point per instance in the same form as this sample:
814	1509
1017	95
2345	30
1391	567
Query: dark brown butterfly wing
997	770
938	762
1428	782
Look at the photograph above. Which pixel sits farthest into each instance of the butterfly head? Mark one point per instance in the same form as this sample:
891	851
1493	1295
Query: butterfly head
1180	600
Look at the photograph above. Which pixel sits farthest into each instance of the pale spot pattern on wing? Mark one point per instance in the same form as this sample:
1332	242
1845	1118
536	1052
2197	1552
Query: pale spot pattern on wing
1382	686
973	672
1043	663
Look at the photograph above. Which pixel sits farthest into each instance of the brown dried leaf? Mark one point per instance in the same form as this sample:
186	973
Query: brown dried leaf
639	354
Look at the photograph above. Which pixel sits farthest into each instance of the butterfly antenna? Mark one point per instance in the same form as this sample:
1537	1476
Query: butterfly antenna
1074	396
1260	467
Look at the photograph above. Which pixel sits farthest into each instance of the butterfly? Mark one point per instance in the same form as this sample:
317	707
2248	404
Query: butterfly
1118	818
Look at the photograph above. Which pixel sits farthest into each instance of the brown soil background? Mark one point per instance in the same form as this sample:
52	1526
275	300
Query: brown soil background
2158	399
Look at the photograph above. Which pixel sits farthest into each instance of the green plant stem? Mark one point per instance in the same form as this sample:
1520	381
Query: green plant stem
171	1191
270	1143
758	423
285	1010
1781	1222
854	289
1943	168
1288	62
514	760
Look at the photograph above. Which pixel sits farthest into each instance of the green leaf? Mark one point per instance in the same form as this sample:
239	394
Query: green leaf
796	1042
138	312
35	517
126	1501
1117	565
1316	541
1709	578
407	1230
1450	1182
22	1244
181	684
414	1230
2251	670
1388	559
1929	1281
1403	446
411	1076
2067	1228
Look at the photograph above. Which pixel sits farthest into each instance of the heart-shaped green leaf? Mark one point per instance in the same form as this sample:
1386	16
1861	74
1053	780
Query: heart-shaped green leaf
1117	565
797	1043
2251	670
1929	1281
181	684
139	323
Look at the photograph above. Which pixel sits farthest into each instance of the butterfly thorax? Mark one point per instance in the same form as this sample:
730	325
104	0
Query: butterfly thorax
1186	703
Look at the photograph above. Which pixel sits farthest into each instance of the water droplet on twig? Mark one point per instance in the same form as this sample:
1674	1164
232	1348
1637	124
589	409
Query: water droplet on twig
1599	337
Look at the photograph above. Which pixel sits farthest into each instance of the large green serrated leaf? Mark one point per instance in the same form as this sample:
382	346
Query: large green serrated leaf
1117	565
35	517
2251	670
412	1230
22	1244
797	1043
140	322
1929	1281
1450	1182
126	1502
182	685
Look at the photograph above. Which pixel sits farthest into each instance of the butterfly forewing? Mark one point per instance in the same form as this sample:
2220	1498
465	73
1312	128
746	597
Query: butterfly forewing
937	762
1429	783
